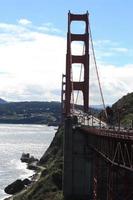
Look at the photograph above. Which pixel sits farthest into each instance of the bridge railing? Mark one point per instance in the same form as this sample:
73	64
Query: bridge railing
88	120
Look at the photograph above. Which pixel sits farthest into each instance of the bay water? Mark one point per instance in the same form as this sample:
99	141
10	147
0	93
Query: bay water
15	140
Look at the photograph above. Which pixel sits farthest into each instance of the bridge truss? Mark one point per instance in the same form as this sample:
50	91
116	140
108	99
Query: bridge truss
113	162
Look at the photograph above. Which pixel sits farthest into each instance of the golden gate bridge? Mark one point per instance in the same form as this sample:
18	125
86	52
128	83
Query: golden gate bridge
98	161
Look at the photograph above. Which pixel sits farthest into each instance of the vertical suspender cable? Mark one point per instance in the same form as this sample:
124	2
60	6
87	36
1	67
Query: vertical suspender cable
71	77
80	75
72	90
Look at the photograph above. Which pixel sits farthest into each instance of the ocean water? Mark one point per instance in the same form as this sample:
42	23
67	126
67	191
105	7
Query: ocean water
16	139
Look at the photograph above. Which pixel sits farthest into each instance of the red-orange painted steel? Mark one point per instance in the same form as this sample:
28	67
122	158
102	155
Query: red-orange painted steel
70	59
123	135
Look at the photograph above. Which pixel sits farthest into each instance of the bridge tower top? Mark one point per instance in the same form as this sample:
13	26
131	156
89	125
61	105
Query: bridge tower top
71	85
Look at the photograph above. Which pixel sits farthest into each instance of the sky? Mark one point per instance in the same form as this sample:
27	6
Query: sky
33	47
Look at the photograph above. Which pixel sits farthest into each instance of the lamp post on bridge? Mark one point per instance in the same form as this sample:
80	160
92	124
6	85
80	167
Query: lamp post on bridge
132	124
119	121
110	115
119	113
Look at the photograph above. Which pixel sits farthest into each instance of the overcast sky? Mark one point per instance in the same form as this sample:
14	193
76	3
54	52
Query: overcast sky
33	47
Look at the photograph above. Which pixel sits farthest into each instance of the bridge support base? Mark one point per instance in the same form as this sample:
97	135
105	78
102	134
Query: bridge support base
77	182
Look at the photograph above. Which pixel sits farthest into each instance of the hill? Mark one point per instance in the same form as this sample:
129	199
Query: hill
123	110
30	112
2	101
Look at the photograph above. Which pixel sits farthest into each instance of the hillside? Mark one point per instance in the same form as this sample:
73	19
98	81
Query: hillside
123	110
30	113
2	101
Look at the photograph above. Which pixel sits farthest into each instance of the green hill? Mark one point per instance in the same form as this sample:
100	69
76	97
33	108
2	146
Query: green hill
30	112
123	110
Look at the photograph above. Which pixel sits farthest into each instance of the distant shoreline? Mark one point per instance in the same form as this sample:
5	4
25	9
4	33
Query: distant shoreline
10	122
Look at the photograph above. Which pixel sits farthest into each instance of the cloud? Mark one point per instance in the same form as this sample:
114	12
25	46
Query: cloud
24	22
31	63
121	50
115	82
49	27
109	51
33	59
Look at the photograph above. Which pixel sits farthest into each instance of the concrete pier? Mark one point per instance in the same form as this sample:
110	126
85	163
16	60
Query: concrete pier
77	180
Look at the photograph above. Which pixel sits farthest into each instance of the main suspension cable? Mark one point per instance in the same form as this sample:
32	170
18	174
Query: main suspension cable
100	88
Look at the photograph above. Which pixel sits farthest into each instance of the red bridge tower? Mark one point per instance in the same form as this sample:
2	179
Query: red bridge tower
80	59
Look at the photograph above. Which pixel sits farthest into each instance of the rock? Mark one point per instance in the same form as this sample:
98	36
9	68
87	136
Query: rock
32	165
15	187
27	158
26	181
32	159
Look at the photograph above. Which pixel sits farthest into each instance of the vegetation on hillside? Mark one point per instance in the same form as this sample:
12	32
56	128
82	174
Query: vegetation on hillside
31	113
121	112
